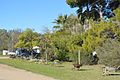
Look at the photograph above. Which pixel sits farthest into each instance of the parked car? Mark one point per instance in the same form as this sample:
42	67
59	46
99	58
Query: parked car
11	54
22	53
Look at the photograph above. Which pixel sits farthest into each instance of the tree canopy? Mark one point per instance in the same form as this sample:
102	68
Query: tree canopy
94	9
28	39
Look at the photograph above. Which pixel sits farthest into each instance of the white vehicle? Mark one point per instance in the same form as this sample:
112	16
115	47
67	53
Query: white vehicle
11	53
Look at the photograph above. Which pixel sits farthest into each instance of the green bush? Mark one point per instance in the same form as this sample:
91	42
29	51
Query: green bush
109	53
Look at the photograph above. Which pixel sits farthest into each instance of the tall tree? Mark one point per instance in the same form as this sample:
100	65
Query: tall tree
94	8
13	38
73	25
70	24
3	39
28	39
60	21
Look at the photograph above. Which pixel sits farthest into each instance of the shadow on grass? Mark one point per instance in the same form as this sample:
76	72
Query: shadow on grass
82	69
115	74
112	74
59	66
85	69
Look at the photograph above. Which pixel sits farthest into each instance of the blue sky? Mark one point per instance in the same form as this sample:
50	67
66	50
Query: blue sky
35	14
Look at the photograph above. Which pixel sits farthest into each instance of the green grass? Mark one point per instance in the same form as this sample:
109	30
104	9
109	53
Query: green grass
63	72
1	55
4	56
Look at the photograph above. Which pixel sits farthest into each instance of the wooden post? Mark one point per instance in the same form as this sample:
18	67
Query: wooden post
46	55
79	56
46	58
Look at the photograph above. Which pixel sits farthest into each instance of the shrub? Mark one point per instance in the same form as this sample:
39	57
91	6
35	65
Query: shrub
109	53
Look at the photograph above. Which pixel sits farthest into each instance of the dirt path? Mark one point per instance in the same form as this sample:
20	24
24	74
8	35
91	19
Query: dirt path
4	57
10	73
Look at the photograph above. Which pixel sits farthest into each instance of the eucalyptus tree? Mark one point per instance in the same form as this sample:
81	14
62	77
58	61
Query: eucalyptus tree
73	25
13	38
3	39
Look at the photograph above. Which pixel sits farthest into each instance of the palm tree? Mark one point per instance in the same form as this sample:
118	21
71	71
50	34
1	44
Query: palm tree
60	21
70	24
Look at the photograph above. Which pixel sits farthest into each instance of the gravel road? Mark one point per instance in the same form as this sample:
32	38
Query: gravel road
10	73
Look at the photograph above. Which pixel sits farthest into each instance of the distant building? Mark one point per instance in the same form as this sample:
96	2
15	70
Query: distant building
5	52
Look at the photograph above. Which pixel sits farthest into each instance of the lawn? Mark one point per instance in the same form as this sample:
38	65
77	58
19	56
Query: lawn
1	55
62	71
